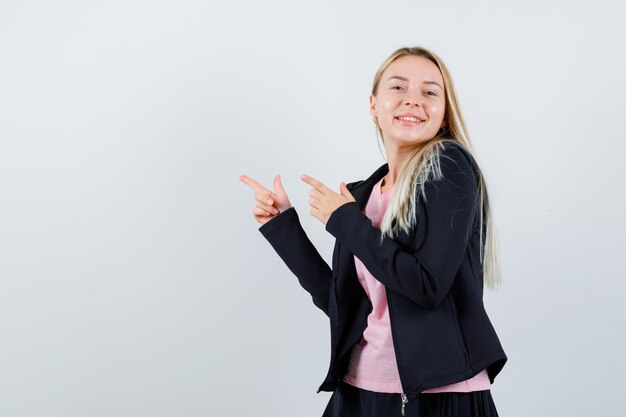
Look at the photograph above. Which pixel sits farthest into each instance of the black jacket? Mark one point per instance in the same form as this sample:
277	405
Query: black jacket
432	276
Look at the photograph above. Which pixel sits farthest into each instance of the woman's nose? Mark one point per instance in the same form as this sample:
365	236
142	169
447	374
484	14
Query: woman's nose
412	98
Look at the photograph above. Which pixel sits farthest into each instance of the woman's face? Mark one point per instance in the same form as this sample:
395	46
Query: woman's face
410	86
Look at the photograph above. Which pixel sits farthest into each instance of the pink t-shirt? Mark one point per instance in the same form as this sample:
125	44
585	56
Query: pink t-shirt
373	363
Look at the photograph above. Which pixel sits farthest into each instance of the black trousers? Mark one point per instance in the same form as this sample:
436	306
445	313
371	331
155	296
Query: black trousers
350	401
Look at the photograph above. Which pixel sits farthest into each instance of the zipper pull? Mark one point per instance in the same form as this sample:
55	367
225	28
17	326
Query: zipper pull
404	401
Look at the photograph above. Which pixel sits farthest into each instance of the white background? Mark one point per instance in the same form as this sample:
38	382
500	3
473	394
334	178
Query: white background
133	279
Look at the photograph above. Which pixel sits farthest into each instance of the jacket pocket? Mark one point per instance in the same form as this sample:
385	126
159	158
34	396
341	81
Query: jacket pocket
457	327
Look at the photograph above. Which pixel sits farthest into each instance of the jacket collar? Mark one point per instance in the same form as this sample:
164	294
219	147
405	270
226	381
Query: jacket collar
361	190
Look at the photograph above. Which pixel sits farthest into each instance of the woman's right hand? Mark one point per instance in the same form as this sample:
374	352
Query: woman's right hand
268	204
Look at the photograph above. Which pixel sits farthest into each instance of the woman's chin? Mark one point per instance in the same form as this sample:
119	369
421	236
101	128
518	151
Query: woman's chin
409	140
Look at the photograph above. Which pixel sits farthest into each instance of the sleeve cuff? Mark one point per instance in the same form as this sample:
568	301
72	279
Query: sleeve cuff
281	218
334	221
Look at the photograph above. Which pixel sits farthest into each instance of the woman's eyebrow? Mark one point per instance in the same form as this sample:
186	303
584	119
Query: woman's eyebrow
433	82
406	79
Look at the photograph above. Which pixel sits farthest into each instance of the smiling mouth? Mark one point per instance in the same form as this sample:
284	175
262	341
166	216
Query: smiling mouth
410	121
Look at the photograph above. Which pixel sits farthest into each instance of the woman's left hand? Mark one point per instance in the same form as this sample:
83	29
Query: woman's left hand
323	200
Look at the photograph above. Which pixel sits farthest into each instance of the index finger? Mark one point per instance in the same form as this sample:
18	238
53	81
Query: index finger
252	183
315	183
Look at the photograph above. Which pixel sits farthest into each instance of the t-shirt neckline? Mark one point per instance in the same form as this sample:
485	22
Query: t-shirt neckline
380	188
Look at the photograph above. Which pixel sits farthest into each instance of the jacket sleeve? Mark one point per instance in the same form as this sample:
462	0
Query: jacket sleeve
425	274
286	235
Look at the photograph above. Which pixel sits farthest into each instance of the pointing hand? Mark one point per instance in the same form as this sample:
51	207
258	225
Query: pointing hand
268	204
323	200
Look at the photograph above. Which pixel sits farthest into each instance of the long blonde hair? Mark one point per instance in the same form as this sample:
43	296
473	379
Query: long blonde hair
423	166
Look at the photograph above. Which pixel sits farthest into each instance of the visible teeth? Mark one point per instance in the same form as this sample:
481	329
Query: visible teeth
409	119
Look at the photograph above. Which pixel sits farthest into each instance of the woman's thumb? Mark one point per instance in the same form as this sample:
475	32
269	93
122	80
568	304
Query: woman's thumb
343	188
277	185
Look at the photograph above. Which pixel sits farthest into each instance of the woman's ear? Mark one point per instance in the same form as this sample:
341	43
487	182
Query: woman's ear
373	111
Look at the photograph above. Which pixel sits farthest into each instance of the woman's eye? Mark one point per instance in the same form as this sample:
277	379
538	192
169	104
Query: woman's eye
396	87
431	92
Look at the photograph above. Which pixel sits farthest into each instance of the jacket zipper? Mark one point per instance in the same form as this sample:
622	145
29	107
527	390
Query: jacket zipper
404	401
403	395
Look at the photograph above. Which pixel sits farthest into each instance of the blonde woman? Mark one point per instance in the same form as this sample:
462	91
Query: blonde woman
414	244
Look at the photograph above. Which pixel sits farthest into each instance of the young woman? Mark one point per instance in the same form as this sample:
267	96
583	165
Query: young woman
414	243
